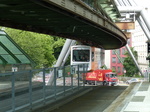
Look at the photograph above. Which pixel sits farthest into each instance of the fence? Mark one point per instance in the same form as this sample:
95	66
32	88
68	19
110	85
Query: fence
29	89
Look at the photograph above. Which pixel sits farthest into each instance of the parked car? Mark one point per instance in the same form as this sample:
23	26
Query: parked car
132	80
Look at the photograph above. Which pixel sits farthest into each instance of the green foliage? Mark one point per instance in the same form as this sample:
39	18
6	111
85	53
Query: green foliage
129	65
113	70
138	76
57	46
40	47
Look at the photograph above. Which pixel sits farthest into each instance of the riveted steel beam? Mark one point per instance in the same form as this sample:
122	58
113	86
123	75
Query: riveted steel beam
73	19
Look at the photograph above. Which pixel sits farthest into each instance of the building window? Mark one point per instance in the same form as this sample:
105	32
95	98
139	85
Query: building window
123	51
119	70
113	59
118	51
113	52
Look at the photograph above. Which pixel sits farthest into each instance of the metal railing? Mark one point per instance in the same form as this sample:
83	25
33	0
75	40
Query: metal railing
26	90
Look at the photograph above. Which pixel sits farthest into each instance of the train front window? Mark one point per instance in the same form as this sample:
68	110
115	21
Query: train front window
81	55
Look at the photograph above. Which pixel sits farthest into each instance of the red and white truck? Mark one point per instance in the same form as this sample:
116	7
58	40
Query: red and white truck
104	77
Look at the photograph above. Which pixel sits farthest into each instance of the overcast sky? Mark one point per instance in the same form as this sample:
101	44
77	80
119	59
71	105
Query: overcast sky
143	3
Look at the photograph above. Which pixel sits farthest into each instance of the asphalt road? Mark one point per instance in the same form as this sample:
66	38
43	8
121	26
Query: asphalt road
95	101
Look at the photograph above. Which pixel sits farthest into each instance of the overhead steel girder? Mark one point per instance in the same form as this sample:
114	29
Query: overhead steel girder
69	6
46	16
144	28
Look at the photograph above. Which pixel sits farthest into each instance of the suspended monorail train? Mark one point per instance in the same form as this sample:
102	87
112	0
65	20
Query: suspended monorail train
92	56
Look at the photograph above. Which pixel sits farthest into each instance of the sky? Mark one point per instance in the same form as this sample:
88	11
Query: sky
143	3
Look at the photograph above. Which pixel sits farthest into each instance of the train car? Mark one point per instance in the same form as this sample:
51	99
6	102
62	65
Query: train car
92	56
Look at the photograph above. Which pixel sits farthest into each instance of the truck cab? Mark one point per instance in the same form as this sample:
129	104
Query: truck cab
110	78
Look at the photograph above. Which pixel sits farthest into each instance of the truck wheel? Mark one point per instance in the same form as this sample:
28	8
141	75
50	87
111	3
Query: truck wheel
86	82
112	84
105	83
89	83
93	83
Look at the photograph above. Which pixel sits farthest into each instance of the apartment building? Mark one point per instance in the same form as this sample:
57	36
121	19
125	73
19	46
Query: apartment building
139	43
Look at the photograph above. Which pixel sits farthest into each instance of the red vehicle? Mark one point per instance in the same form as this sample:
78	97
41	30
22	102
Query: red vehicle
105	77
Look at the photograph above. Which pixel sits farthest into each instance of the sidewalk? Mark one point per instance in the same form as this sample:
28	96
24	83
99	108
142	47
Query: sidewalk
136	98
140	100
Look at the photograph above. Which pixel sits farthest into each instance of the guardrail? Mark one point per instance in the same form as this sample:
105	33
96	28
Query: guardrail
25	90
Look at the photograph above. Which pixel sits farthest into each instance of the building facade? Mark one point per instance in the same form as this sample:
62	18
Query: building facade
116	55
140	45
138	41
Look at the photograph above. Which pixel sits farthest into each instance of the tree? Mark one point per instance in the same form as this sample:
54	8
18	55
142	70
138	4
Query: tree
57	46
129	65
40	47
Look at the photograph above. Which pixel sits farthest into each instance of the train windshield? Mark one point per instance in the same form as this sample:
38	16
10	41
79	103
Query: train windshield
81	55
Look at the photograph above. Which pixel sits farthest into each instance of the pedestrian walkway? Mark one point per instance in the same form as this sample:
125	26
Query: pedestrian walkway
140	100
136	100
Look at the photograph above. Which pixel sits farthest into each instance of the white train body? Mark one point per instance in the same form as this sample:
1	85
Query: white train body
81	54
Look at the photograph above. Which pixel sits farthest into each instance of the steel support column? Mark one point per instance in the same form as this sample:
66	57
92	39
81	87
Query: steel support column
68	53
61	57
145	17
144	28
63	53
